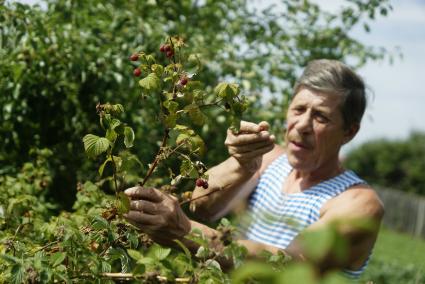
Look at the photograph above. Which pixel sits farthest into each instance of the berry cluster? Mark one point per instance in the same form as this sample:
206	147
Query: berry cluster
167	49
135	57
202	183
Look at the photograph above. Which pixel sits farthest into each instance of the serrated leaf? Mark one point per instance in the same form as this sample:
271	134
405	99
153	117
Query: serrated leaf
172	106
17	272
105	267
99	223
150	82
147	261
195	114
197	144
187	169
139	269
158	252
182	137
95	145
117	109
213	263
57	258
128	136
226	90
158	69
102	167
202	252
134	254
123	205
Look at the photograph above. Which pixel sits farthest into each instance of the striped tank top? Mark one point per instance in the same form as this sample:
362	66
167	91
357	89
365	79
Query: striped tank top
276	218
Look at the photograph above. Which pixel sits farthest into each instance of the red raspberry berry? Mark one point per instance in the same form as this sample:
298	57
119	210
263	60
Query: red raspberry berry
137	72
183	81
134	57
169	53
202	183
162	48
168	48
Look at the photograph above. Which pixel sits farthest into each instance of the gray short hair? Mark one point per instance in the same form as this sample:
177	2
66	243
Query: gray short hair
332	76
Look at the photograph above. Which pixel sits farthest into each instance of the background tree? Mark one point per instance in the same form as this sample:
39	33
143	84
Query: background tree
398	164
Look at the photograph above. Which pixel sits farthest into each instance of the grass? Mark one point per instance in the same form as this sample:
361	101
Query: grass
401	248
397	258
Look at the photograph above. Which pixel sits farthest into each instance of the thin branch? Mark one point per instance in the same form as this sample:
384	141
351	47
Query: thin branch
157	157
131	276
45	246
201	196
115	175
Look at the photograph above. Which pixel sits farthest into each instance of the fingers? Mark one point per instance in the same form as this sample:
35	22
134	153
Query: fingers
253	154
240	139
149	194
248	147
144	206
249	127
138	218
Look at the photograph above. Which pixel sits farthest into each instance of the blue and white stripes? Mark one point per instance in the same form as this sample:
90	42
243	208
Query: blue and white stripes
276	218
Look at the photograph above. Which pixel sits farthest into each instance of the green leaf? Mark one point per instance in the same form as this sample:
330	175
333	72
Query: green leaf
128	137
185	249
57	258
255	270
198	144
99	223
150	82
95	145
114	123
105	267
157	69
18	273
170	120
117	109
172	106
195	114
102	167
226	90
139	269
111	135
298	273
123	205
182	137
188	169
134	254
158	252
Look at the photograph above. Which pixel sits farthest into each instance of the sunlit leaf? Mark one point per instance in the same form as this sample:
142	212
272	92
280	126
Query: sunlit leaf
95	145
128	137
123	203
150	82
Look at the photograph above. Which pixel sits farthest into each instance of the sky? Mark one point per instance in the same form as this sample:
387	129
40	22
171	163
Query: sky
397	106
